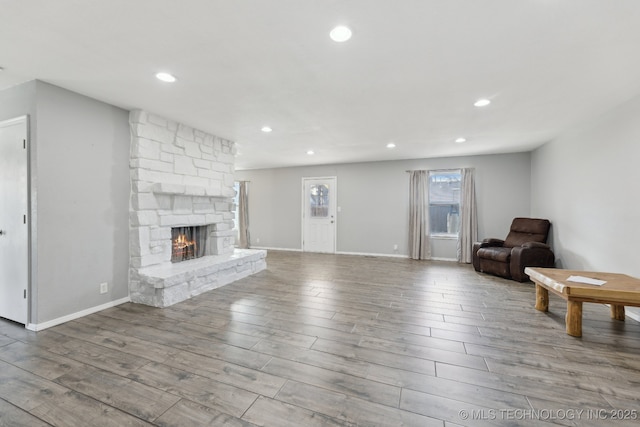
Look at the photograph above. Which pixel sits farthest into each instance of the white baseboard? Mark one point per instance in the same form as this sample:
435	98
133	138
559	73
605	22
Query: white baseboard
633	313
73	316
336	253
352	253
276	249
372	254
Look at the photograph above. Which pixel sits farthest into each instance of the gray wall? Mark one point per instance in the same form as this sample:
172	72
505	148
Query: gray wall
18	101
587	183
79	171
374	200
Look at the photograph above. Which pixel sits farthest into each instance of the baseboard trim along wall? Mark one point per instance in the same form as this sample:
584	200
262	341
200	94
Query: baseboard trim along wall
633	313
372	254
354	253
41	326
276	249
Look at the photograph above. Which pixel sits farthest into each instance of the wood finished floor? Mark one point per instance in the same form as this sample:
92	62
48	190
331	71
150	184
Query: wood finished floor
324	340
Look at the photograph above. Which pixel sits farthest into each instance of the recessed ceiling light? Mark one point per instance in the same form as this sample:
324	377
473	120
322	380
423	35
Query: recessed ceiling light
461	140
166	77
266	129
391	145
340	34
310	152
482	102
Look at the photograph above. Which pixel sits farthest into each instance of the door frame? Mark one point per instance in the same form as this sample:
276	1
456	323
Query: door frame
335	208
27	137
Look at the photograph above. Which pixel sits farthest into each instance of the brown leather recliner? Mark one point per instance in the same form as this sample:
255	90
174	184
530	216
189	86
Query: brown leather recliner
525	246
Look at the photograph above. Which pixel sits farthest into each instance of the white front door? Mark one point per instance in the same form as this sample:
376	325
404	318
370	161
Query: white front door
319	214
14	235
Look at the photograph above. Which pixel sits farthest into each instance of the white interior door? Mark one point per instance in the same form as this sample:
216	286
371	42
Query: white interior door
319	214
14	235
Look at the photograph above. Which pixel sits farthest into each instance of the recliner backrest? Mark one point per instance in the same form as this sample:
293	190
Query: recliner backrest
525	230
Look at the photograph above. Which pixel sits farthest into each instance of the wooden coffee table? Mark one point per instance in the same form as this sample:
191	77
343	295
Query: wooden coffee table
620	290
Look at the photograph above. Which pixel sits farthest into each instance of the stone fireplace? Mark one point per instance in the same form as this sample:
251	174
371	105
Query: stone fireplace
182	179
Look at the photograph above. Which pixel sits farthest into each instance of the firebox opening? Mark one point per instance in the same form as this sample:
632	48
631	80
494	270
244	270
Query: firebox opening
188	242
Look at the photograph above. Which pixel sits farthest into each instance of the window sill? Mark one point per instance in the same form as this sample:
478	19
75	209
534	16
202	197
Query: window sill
444	236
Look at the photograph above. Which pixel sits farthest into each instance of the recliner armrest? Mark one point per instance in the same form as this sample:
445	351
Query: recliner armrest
492	242
486	243
536	245
530	254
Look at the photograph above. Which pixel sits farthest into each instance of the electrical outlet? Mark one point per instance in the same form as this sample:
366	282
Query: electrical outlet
395	247
257	240
104	288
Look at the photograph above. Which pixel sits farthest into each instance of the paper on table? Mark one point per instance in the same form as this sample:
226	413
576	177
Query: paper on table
586	280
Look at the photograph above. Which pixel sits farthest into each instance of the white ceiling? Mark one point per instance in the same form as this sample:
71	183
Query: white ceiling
410	74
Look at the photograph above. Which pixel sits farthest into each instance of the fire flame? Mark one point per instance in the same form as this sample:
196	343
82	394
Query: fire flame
181	242
183	248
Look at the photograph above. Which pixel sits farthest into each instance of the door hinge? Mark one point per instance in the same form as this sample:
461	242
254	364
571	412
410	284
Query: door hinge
24	219
24	144
25	294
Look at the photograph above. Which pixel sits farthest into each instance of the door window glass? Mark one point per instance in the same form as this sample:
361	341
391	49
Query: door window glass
319	200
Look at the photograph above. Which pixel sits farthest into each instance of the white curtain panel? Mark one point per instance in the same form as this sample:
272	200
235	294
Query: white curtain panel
468	217
244	240
419	247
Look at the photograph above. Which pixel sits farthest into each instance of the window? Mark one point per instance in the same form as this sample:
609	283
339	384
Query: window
444	203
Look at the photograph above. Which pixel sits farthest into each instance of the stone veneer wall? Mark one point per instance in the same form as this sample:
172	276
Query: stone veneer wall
180	176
